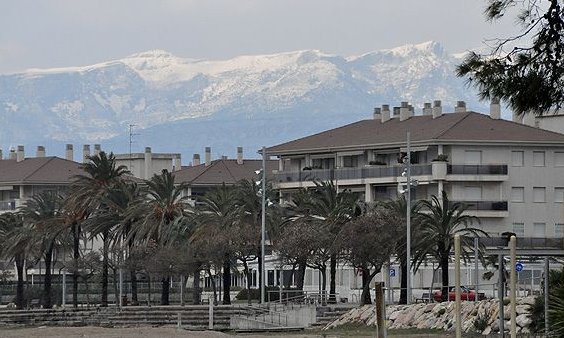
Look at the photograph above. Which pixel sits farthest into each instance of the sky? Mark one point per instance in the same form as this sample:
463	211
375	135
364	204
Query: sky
59	33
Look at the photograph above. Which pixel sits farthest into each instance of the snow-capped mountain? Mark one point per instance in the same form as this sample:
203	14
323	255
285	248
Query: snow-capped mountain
180	104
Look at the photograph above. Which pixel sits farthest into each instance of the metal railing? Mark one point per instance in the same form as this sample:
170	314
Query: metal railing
482	169
485	205
7	205
524	242
350	173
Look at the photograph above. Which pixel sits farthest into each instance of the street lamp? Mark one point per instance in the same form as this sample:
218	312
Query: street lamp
263	225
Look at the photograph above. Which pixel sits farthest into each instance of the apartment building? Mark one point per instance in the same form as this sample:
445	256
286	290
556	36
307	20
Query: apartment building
509	174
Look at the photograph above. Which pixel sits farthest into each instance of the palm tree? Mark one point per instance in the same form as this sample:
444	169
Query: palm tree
440	222
399	207
43	213
217	214
18	239
161	217
86	197
334	209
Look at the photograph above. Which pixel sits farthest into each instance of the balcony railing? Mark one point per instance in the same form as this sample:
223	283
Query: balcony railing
485	205
524	242
7	205
350	173
468	169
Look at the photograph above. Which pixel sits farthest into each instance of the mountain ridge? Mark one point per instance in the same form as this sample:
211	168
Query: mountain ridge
295	92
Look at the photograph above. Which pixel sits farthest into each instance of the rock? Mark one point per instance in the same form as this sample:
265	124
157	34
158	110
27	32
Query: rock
521	309
523	320
487	331
394	315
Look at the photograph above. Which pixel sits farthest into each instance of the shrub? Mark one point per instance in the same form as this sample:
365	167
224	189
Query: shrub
441	158
481	321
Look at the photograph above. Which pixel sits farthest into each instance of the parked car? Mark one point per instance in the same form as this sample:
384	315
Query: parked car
465	294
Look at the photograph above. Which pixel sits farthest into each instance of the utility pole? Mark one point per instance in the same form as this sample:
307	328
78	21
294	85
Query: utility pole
408	219
263	225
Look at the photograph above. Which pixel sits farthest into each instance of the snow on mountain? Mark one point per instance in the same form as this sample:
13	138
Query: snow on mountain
263	99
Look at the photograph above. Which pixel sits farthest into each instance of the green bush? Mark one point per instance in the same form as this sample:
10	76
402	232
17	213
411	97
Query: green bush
481	321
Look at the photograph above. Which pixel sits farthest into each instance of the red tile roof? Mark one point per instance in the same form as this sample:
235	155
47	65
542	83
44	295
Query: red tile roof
222	171
39	170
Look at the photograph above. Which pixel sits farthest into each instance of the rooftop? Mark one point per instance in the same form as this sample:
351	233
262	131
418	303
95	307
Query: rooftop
222	171
39	170
467	127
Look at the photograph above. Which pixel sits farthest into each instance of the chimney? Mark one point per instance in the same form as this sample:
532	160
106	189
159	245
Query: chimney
177	162
517	118
208	155
97	149
223	157
85	153
1	155
437	109
196	159
13	155
427	109
495	109
40	151
404	111
69	153
529	119
395	112
378	113
20	154
385	112
239	155
460	107
148	163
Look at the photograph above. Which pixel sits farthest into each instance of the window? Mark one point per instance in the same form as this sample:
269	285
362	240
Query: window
559	230
472	157
517	158
517	194
559	195
519	229
539	194
539	230
538	158
350	161
559	159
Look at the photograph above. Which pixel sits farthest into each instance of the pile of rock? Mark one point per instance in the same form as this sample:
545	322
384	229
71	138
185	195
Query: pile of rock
476	316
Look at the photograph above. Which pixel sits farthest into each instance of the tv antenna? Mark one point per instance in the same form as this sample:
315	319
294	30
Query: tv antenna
131	134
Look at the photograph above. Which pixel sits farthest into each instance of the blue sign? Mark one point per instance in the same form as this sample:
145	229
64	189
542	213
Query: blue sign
519	267
392	272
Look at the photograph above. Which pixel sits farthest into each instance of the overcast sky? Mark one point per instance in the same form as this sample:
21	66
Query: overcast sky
57	33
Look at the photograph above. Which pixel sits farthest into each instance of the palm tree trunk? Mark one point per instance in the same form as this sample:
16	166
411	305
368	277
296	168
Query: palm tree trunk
165	292
226	280
47	281
444	270
76	257
247	280
149	289
20	262
323	284
105	268
332	281
301	273
403	281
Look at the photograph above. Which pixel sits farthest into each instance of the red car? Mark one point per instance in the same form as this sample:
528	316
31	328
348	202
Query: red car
465	294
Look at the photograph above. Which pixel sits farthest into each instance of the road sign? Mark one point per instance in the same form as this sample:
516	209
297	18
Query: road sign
519	267
392	272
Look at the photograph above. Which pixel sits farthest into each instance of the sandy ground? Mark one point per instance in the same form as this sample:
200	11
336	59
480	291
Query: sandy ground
138	332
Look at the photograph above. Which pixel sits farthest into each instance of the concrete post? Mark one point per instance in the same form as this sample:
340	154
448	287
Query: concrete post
513	279
546	285
380	306
500	293
210	316
458	314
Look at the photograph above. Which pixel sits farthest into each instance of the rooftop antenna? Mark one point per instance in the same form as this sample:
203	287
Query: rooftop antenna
131	134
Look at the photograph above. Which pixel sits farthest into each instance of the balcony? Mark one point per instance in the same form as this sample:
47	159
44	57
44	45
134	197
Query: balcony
486	208
7	205
467	169
350	173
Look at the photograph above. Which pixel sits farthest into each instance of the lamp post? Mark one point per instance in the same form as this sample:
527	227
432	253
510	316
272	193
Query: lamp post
263	225
408	220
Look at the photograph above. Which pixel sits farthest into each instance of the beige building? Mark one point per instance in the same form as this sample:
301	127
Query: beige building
508	173
145	165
